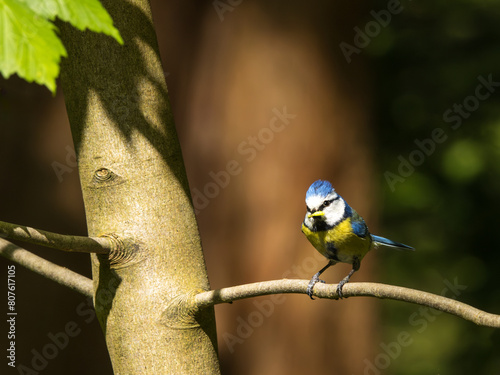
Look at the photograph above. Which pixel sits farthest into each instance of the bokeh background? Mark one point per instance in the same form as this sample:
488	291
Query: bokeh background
396	103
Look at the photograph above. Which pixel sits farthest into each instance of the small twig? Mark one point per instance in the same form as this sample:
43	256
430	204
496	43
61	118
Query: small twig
45	268
98	245
434	301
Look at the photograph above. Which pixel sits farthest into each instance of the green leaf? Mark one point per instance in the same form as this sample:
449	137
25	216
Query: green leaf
29	45
82	14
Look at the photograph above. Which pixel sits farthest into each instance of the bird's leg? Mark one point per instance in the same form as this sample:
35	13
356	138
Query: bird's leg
355	266
316	279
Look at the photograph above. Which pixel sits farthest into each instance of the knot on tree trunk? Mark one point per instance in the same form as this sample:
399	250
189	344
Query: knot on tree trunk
182	312
123	252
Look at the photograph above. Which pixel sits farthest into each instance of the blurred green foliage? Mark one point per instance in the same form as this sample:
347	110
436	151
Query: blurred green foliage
428	62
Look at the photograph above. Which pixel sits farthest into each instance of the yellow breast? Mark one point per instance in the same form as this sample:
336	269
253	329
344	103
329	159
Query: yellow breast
341	238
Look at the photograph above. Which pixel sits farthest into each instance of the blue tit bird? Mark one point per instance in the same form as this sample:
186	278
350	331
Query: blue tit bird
338	232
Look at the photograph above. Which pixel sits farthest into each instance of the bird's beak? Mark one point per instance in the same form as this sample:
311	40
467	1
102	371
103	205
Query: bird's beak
316	214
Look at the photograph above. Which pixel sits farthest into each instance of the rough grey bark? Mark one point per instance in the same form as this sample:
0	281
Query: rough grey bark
136	191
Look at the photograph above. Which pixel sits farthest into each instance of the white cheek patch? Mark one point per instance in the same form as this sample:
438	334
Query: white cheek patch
335	212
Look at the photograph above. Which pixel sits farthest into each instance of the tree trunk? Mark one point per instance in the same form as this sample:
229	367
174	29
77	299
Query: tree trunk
136	191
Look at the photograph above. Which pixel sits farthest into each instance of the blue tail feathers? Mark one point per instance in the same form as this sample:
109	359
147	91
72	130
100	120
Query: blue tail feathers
387	242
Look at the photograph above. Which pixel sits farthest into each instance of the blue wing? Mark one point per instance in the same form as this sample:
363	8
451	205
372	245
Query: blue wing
358	225
387	242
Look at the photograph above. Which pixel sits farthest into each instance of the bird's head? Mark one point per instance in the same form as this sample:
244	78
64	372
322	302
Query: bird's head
323	204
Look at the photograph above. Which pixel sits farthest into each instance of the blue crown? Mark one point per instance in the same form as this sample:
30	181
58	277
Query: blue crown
320	187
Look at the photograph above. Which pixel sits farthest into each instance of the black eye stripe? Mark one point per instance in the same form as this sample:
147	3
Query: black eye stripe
326	203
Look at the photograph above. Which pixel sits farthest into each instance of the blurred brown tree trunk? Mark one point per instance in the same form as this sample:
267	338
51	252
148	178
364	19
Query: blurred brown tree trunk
265	104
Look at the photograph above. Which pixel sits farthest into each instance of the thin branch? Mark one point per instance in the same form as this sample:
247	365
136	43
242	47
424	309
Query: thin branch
434	301
98	245
45	268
